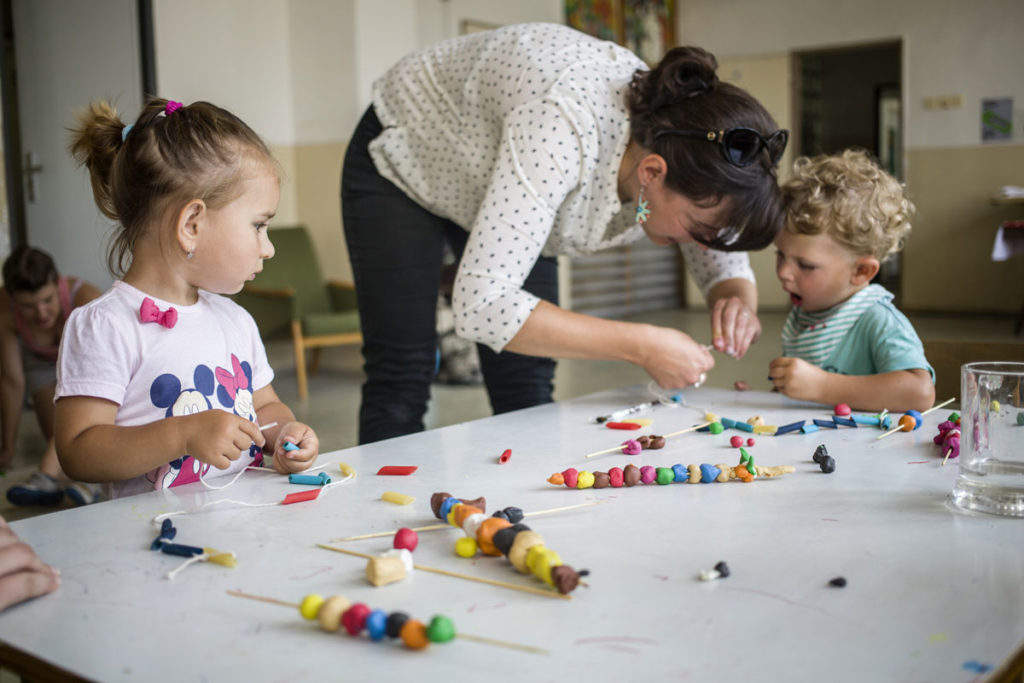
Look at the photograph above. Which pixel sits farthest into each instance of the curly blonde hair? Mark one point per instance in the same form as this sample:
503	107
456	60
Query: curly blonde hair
850	198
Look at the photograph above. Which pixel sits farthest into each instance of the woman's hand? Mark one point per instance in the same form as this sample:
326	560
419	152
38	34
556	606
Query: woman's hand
734	326
672	358
797	378
288	461
22	574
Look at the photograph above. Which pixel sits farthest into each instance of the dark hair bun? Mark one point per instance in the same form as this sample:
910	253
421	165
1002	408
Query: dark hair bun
682	73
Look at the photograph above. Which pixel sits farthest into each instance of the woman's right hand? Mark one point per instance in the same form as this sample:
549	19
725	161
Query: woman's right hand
217	437
672	358
22	574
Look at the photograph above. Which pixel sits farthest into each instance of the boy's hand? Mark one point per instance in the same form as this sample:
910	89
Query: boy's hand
797	378
673	358
734	326
217	437
22	574
287	461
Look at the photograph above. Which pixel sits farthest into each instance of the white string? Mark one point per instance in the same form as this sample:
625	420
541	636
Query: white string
192	560
160	518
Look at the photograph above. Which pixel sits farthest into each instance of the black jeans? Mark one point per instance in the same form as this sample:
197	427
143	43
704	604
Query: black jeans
396	248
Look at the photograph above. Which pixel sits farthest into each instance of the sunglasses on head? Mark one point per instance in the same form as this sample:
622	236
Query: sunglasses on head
740	146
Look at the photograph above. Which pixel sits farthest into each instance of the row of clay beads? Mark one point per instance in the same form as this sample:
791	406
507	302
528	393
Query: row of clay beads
530	556
642	443
337	611
631	475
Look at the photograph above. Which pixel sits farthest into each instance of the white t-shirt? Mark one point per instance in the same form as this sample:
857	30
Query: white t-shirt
212	358
517	135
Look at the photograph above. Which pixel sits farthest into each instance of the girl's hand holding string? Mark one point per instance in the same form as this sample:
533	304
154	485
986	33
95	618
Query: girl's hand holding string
797	378
288	460
217	437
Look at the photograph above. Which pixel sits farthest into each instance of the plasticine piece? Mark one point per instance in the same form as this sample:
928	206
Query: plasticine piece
631	447
396	498
301	496
827	424
708	473
792	427
615	477
680	473
397	470
647	474
842	410
716	428
664	475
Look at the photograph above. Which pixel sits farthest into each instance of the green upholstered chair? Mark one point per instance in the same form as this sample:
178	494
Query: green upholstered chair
291	297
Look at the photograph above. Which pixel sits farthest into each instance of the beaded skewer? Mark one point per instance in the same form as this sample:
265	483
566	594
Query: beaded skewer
631	475
909	422
504	534
456	575
948	437
436	527
338	611
652	438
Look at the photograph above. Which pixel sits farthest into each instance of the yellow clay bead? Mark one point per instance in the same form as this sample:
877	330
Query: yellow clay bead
451	514
584	480
540	559
522	543
465	547
310	605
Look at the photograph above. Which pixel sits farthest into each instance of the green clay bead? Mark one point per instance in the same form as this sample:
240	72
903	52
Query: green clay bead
716	428
665	475
465	547
584	480
440	630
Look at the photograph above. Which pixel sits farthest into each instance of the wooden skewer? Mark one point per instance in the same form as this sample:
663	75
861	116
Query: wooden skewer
947	457
435	527
457	575
900	428
463	636
619	447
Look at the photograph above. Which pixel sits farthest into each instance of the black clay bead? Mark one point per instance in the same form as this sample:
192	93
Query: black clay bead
838	582
820	453
827	464
395	622
722	568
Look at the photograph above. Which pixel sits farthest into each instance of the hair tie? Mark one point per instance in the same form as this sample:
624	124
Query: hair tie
127	129
696	85
171	107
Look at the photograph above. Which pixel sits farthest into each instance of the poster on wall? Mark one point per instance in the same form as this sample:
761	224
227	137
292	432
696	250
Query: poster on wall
996	119
646	27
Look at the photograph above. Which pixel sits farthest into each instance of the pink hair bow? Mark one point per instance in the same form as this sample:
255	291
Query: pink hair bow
172	107
233	382
149	313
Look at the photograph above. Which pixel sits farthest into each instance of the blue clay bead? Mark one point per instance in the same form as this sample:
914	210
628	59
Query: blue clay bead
708	473
917	418
377	624
681	473
447	505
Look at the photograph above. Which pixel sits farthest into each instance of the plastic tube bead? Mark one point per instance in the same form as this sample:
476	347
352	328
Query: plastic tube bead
844	421
825	424
870	420
319	479
809	428
768	430
791	427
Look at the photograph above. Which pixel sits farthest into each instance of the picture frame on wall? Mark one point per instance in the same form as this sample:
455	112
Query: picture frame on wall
645	27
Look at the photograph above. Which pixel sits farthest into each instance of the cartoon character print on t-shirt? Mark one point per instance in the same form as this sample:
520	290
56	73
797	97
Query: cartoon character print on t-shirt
234	391
167	392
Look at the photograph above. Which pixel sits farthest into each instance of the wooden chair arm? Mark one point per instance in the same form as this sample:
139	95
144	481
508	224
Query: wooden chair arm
286	293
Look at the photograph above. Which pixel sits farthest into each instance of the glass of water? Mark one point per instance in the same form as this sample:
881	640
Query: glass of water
991	475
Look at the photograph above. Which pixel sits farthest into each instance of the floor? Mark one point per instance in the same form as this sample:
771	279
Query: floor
334	390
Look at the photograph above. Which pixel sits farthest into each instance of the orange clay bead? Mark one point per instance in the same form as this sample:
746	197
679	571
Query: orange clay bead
414	635
463	511
557	479
485	534
907	423
743	473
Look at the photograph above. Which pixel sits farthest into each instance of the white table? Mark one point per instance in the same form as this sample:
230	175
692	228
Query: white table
929	589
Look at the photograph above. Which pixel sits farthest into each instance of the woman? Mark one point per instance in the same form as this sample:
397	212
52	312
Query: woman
530	141
34	305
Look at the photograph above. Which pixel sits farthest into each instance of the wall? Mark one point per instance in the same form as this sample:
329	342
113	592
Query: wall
950	47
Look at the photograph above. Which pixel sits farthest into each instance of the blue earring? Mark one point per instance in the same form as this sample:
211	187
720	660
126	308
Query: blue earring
643	211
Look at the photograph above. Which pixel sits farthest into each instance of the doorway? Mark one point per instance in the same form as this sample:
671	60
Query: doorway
852	97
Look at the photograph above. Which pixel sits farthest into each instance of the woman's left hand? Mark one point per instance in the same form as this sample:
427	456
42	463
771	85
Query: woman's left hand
734	326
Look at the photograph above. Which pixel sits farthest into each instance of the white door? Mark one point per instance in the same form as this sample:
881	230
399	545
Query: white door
67	53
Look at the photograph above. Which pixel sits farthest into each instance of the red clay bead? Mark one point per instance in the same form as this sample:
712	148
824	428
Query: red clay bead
736	441
750	442
407	539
